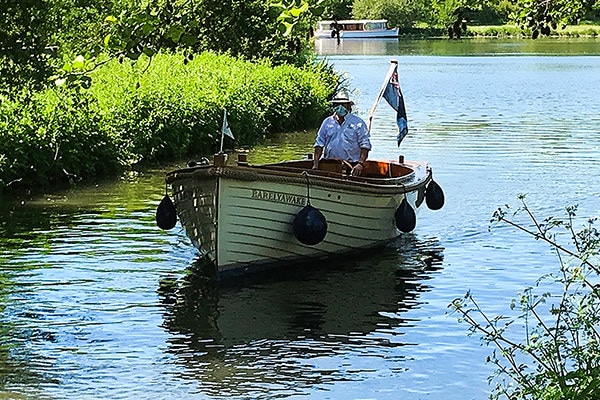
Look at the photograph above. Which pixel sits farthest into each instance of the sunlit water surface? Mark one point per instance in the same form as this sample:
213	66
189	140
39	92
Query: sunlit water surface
99	303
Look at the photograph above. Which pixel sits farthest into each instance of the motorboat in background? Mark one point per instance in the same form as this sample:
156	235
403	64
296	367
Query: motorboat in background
355	29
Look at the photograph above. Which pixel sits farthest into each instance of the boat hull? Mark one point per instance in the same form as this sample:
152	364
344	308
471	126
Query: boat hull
378	34
242	217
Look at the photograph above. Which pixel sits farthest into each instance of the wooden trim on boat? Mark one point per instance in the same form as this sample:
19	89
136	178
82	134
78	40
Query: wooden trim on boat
322	178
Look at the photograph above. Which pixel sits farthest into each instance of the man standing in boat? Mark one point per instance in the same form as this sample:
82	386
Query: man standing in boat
343	135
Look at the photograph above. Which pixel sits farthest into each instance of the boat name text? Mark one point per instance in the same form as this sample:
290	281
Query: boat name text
278	197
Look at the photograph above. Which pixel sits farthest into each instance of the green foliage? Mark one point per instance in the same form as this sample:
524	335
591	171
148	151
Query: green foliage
437	13
444	11
534	18
503	9
496	31
399	13
559	357
543	17
36	35
39	36
24	40
249	29
487	14
181	104
343	9
155	110
79	23
53	136
515	31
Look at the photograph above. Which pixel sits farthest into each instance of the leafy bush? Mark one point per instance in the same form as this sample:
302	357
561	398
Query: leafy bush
159	109
53	136
559	357
170	108
399	13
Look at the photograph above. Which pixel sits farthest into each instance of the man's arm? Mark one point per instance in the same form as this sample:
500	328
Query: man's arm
364	153
317	156
358	168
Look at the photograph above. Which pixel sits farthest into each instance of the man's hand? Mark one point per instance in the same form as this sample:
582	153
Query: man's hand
357	170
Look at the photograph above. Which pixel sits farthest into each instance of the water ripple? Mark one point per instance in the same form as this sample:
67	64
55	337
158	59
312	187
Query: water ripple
98	302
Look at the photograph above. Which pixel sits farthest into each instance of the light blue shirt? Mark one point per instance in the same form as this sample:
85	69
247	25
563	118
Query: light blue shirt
343	141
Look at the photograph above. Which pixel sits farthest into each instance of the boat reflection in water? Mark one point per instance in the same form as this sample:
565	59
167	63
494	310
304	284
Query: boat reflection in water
273	321
356	46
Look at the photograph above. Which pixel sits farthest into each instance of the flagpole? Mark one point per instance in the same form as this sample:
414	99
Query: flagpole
393	66
223	130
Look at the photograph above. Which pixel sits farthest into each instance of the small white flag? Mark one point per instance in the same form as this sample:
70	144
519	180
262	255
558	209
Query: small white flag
226	130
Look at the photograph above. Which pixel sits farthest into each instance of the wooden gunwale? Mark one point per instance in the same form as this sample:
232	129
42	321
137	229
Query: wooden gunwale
327	179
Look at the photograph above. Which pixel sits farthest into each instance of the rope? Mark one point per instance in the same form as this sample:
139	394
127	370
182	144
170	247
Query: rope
305	173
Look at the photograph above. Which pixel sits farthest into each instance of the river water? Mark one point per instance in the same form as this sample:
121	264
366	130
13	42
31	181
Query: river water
98	303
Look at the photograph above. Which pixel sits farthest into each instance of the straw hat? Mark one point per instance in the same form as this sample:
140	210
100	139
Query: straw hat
341	98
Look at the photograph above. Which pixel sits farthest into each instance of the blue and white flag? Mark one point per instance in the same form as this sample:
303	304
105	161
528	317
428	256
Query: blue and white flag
226	129
393	95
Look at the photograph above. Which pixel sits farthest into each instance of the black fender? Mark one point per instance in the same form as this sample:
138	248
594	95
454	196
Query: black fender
166	215
310	226
434	196
405	217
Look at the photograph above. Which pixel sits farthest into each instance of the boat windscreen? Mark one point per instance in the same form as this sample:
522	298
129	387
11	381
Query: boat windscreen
373	26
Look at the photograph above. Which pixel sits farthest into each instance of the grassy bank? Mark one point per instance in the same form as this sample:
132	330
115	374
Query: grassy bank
515	31
156	111
425	31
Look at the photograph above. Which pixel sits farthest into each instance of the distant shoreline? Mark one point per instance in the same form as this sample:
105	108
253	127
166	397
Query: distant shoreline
515	31
501	31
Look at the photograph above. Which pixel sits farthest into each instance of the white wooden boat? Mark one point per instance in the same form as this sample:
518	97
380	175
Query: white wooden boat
244	217
355	29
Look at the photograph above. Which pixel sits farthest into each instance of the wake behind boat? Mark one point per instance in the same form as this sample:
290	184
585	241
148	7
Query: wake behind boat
243	217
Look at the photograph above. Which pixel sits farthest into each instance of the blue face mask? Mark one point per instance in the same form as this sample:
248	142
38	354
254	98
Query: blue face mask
341	110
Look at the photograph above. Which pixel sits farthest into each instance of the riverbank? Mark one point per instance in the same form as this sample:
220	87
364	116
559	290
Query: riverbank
500	31
514	31
154	111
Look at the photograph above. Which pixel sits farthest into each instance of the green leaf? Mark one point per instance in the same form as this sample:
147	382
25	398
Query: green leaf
79	62
174	33
318	11
188	39
278	5
147	28
148	51
110	19
288	28
296	12
107	40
